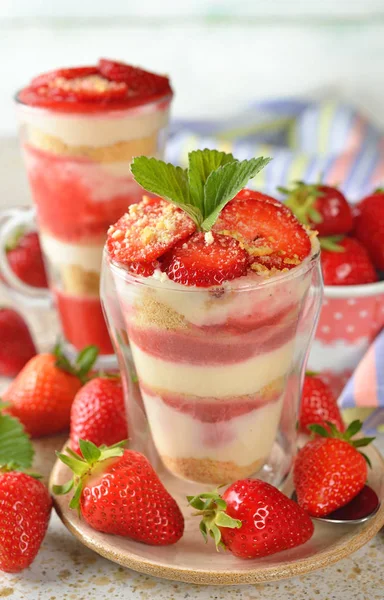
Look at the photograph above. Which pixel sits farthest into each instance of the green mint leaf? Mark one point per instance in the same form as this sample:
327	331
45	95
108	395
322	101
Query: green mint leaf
15	445
90	452
223	184
201	163
165	180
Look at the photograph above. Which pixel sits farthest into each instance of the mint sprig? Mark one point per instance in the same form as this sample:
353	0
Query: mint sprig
202	190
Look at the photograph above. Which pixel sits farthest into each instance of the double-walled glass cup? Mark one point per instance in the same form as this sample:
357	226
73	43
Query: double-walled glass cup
213	376
78	170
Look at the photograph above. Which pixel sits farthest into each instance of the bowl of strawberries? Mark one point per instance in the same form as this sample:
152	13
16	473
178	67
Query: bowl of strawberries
352	258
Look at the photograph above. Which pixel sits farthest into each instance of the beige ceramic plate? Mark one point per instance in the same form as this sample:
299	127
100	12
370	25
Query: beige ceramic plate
190	560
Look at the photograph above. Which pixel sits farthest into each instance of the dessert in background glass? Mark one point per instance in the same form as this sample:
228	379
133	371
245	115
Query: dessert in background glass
211	320
80	128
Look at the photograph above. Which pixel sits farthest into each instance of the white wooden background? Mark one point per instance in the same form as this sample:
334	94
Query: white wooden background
221	54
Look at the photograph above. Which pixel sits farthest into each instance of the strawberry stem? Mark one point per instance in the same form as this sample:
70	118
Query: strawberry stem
83	466
83	363
346	436
211	507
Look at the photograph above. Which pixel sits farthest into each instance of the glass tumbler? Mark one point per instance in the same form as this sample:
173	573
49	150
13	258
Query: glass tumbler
213	376
78	170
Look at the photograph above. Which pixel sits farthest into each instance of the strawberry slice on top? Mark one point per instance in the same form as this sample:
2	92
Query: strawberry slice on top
273	236
147	231
109	85
206	260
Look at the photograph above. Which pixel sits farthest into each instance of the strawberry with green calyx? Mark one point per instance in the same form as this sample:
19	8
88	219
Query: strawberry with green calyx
318	404
25	504
25	258
322	207
252	519
41	396
117	491
346	262
330	470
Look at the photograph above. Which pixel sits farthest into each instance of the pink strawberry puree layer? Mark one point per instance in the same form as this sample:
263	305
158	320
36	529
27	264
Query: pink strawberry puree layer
195	346
77	198
213	410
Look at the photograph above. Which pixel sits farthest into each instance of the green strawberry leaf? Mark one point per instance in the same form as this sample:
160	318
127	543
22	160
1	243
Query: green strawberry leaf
319	429
352	429
77	465
223	184
201	163
61	490
331	243
90	452
85	360
15	445
362	442
224	520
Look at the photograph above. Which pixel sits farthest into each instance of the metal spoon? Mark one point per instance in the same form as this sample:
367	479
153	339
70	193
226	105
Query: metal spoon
359	510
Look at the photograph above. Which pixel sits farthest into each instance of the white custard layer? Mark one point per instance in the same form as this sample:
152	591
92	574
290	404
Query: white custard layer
96	130
238	379
59	253
241	440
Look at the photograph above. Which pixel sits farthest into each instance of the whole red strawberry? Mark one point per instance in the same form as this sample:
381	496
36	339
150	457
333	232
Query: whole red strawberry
25	508
26	260
329	471
118	492
369	227
322	207
98	413
17	346
346	262
41	396
318	405
252	519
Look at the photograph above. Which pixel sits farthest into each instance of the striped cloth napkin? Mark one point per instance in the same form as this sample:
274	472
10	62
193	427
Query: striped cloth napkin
307	140
363	395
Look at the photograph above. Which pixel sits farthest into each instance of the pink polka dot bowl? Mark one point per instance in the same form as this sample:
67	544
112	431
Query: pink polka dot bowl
351	317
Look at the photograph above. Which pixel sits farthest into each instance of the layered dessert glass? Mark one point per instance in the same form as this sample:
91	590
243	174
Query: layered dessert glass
211	337
80	129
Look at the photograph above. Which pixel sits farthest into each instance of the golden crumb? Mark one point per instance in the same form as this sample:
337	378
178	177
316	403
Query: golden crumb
206	470
76	280
149	312
123	151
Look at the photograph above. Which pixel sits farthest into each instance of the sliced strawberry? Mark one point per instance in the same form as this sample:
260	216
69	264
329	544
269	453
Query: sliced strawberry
274	237
145	269
86	89
70	73
204	263
146	231
139	82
